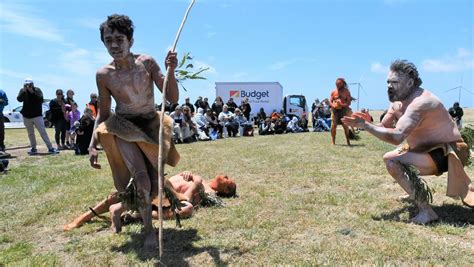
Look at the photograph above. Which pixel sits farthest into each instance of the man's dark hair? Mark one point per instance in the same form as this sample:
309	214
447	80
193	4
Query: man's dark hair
121	23
404	66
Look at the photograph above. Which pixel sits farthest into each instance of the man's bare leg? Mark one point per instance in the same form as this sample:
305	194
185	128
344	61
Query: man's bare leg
135	162
115	212
333	132
425	165
346	133
100	208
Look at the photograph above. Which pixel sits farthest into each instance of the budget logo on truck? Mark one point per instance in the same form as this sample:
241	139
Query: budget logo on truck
234	93
255	94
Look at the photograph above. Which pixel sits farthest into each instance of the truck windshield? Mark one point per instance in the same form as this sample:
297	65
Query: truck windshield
297	101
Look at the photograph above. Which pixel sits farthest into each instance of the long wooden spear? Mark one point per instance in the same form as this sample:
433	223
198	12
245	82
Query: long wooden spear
161	163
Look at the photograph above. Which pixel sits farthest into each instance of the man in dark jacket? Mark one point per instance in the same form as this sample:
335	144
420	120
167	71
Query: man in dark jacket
32	112
456	113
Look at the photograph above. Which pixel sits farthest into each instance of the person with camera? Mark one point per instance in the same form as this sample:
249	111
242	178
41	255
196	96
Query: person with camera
32	111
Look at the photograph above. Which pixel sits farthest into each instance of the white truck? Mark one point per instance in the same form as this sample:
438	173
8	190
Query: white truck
266	95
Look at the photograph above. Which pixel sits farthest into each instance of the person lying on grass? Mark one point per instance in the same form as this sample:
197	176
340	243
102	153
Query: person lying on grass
190	187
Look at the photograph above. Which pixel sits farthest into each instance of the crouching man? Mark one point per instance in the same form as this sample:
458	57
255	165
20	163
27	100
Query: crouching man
433	142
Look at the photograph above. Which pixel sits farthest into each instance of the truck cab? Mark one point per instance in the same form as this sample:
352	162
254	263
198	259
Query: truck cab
295	105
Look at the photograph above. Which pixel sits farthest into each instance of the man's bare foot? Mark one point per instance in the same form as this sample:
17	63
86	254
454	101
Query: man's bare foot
469	199
425	216
405	198
70	226
150	241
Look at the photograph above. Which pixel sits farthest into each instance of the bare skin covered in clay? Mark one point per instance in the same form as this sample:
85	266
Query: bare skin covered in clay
129	79
417	117
189	185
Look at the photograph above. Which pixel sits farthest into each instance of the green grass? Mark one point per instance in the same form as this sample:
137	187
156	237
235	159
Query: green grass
301	202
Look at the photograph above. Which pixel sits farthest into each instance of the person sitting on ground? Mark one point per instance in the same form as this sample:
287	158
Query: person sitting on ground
267	127
202	126
191	126
213	122
226	119
261	117
293	127
321	123
303	122
245	127
180	128
190	187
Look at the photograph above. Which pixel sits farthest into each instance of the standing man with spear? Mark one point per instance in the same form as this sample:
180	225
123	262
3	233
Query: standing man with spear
130	136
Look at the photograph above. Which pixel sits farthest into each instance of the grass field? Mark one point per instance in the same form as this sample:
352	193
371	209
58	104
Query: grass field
301	202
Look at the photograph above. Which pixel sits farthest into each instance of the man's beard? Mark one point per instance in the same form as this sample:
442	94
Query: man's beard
400	96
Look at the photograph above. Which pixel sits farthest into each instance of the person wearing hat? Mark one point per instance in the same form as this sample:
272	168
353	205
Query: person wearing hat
32	111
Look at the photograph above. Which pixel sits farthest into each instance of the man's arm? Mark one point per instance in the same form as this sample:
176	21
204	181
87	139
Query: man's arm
21	95
172	92
105	103
38	93
407	123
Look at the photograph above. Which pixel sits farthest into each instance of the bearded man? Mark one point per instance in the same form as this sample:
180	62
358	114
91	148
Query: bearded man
433	142
340	101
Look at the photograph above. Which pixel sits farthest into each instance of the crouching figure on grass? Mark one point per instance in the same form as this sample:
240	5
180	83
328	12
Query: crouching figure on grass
130	136
433	142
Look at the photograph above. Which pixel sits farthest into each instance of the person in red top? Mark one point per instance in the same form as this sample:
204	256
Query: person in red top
340	101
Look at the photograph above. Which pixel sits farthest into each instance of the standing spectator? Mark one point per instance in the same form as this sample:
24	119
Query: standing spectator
32	112
456	113
3	103
73	118
188	104
217	105
58	110
199	103
93	105
69	97
245	108
314	107
69	101
205	104
84	132
231	105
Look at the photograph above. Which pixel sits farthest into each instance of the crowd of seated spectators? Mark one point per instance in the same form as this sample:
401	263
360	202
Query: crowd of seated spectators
204	121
